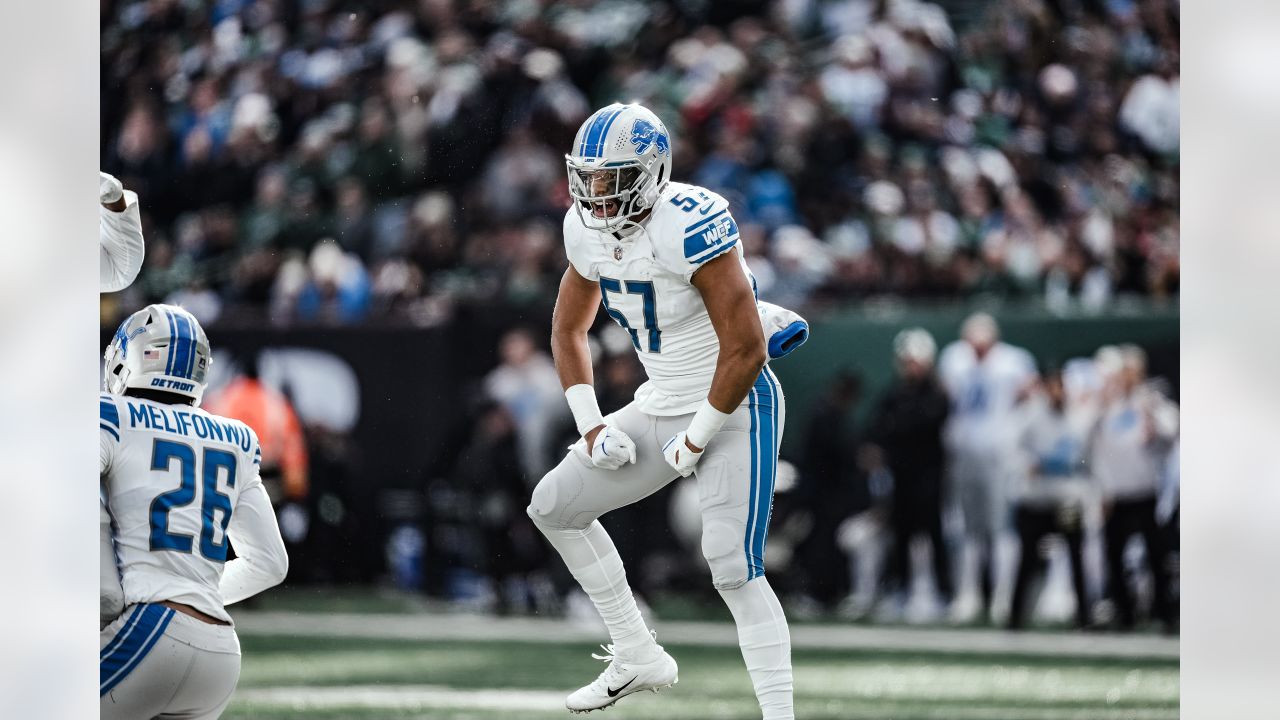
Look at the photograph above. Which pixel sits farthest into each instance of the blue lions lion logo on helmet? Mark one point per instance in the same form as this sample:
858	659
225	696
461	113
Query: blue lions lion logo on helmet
644	136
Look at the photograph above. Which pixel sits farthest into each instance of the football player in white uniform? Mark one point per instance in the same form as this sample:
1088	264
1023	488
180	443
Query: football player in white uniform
120	252
987	381
664	259
182	485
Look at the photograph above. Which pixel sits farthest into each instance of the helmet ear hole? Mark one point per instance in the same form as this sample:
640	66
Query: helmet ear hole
661	172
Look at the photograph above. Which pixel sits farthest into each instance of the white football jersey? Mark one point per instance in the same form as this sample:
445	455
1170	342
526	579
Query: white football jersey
173	475
984	394
645	286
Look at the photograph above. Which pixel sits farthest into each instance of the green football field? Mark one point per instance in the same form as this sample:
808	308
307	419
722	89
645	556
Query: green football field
466	667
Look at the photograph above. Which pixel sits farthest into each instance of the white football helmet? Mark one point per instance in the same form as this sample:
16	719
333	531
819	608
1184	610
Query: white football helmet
160	347
620	162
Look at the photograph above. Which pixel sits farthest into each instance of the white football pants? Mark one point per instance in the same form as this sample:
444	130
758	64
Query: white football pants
156	662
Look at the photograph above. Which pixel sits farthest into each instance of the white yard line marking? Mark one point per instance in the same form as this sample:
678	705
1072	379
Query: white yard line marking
435	697
399	697
438	627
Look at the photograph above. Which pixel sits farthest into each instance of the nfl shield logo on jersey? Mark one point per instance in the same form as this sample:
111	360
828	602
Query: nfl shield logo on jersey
617	252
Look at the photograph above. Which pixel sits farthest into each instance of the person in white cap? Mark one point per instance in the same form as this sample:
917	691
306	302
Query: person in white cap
1131	442
908	429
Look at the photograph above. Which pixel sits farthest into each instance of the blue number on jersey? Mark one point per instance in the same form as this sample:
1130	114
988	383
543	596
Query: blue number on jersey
974	399
687	204
645	290
214	500
162	452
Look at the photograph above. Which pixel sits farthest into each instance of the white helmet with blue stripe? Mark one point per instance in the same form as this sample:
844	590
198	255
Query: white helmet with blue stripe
160	347
620	161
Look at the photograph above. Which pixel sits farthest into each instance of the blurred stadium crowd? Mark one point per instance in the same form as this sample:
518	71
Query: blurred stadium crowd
320	161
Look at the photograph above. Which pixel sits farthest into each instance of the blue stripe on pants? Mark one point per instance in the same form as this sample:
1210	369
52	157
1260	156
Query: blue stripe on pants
764	454
148	626
124	631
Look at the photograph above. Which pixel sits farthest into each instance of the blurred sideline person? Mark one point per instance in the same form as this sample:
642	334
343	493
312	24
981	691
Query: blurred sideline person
665	260
986	380
120	253
830	489
1131	442
908	430
527	386
1052	496
286	467
182	486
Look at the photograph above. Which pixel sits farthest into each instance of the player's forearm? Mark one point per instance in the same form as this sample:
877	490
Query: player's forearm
572	356
263	561
573	364
736	371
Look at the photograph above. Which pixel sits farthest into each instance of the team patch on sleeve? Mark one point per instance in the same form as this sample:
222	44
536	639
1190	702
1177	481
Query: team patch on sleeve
710	237
109	416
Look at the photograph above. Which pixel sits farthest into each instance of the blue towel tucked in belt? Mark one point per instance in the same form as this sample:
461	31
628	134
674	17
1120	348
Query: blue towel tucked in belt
784	330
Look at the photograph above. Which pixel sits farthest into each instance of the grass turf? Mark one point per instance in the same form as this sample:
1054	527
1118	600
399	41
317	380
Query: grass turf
291	677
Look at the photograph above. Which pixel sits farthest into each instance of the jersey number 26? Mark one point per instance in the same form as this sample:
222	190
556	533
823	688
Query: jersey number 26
163	453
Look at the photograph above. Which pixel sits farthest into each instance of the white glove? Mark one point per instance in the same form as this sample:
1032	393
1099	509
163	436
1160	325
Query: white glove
109	189
679	456
612	449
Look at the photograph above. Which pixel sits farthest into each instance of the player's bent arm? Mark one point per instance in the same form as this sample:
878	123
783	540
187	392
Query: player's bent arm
121	248
261	560
731	306
577	303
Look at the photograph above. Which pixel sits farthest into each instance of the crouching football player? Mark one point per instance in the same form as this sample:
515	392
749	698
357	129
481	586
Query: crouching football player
181	485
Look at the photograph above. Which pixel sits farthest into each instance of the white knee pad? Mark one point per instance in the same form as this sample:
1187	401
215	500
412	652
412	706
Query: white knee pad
542	505
722	546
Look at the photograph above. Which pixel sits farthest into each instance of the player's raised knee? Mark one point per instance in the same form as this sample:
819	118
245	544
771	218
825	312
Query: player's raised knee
542	506
722	547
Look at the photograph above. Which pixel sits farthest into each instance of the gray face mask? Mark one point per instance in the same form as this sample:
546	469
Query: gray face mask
607	199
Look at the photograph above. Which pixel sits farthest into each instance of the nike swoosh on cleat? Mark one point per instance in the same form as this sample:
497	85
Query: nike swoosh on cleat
614	693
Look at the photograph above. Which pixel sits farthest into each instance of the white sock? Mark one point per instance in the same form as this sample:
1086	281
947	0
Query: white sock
595	564
766	645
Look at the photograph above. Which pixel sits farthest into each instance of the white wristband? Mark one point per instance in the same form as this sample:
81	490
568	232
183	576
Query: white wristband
585	409
705	424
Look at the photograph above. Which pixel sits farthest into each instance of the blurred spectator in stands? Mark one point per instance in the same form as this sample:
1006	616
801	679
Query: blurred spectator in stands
986	380
526	384
831	487
834	120
1150	108
337	290
907	431
353	221
1052	492
1131	441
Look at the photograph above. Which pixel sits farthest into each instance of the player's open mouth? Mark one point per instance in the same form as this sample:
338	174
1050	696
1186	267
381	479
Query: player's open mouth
606	209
